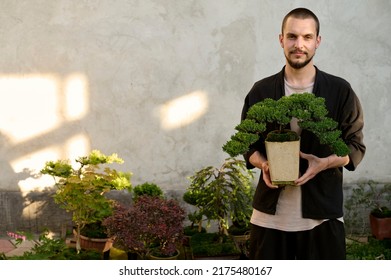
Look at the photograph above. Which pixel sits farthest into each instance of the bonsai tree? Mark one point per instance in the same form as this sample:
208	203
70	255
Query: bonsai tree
222	192
81	189
376	199
310	111
375	196
152	224
191	197
147	188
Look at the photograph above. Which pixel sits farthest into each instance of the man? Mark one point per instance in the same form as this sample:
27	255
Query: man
304	221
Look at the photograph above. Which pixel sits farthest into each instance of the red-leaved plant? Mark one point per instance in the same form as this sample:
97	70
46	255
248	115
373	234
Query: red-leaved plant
151	224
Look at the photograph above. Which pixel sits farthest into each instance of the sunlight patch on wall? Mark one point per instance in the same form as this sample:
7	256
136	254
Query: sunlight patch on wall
76	96
183	110
77	146
28	106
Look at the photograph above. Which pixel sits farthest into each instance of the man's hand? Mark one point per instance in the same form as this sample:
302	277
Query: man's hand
266	175
315	165
258	160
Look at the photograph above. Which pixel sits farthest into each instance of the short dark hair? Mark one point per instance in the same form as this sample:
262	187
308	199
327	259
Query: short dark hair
301	13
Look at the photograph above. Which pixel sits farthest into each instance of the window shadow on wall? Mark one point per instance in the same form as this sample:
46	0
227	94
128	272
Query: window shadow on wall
42	118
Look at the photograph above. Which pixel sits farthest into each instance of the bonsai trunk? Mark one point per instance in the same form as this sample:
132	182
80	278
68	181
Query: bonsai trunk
78	229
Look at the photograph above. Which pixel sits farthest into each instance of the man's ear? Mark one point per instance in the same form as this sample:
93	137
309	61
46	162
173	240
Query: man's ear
281	39
318	40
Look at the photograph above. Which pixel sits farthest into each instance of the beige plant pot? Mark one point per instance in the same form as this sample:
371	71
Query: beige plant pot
283	159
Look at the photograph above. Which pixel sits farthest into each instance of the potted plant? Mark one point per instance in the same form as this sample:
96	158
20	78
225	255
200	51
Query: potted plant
221	194
153	225
269	119
377	198
81	188
222	191
380	214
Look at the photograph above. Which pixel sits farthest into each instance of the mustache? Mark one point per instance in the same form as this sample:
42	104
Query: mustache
298	51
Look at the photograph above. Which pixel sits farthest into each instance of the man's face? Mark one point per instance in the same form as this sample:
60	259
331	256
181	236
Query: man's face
299	41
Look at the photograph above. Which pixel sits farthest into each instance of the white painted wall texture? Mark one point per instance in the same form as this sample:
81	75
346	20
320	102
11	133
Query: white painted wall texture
162	83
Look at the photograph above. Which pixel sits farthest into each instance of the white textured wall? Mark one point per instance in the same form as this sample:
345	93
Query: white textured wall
78	75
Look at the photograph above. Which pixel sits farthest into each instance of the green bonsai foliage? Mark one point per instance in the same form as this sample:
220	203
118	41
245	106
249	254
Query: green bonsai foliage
80	190
310	111
147	188
381	212
192	196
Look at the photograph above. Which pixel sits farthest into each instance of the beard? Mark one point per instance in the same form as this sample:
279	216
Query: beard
298	64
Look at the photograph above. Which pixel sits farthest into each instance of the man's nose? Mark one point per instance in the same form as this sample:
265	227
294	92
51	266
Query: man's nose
299	44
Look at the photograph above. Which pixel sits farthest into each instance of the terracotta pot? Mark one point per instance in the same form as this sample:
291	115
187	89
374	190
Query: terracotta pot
283	159
99	244
92	243
381	227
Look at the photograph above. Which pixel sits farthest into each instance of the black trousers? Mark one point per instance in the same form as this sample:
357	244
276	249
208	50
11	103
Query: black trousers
324	242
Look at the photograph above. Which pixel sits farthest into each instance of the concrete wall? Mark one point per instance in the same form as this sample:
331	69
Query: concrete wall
162	83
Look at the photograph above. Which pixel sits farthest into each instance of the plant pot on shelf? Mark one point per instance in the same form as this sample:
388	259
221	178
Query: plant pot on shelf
283	158
380	227
98	244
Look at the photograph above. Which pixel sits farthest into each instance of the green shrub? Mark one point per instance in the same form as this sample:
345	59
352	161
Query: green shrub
372	250
210	244
54	249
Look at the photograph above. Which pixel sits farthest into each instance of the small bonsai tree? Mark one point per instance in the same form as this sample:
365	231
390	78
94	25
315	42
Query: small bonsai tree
147	188
191	197
310	111
153	223
222	192
80	190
